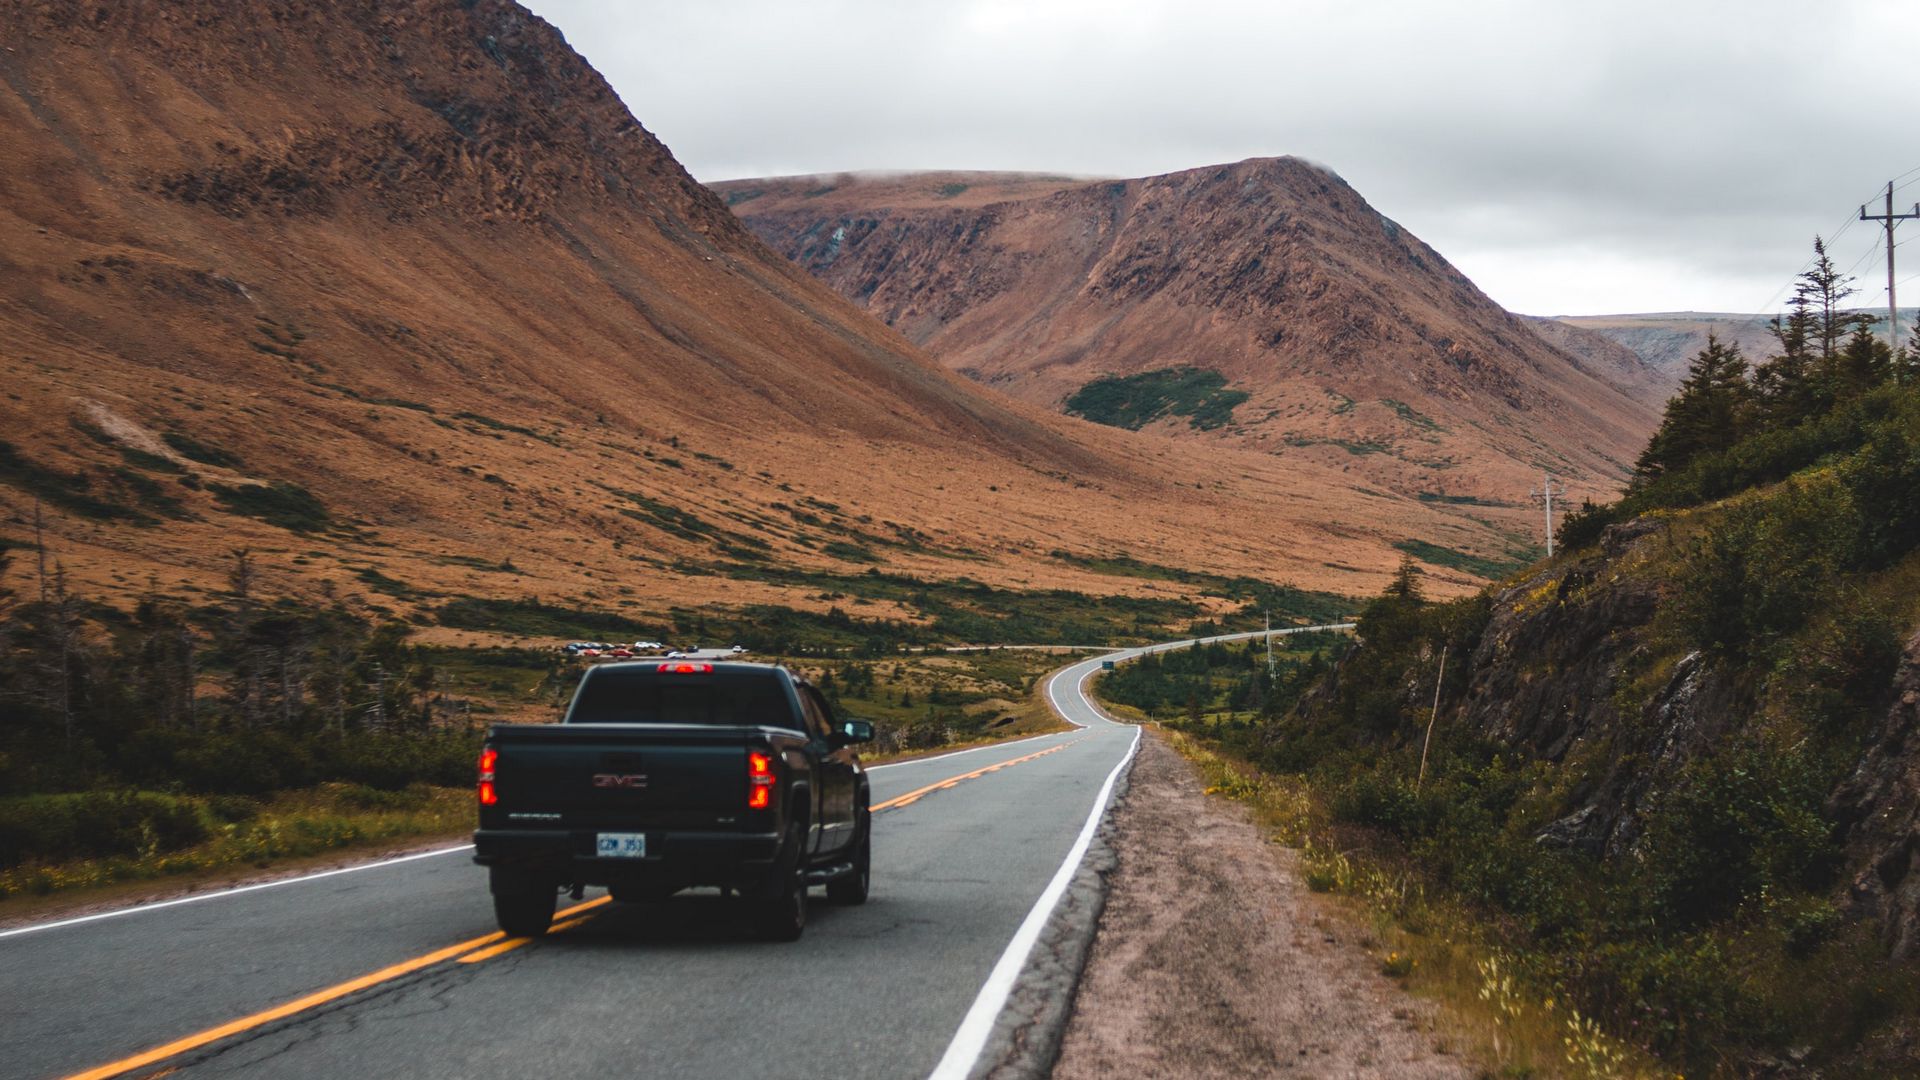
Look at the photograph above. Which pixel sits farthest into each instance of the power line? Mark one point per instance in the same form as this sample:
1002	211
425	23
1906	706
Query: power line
1890	219
1832	237
1864	256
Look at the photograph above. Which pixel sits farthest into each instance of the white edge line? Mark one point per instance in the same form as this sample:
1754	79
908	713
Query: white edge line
977	1026
157	905
963	1052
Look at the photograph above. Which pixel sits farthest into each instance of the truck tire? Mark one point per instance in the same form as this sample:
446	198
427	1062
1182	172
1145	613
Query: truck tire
851	888
779	913
523	905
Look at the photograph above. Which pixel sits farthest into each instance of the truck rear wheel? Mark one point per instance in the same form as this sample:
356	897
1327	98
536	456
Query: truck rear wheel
523	905
779	912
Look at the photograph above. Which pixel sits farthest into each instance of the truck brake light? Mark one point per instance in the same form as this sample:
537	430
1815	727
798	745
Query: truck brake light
759	781
488	758
686	669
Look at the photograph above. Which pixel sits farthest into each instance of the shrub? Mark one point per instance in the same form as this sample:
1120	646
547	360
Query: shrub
1755	577
1743	820
49	827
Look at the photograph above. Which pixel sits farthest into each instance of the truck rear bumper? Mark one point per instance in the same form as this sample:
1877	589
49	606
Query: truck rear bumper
680	859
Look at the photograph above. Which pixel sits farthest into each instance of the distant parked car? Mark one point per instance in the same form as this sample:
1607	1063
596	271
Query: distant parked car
589	652
648	646
738	649
621	652
676	654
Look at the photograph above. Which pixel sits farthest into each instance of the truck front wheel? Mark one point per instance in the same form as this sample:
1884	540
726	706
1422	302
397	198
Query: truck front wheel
523	905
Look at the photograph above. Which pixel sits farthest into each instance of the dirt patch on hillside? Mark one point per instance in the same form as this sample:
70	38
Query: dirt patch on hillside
1213	959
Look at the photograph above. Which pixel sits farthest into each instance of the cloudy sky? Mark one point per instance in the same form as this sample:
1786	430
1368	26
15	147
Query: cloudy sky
1572	158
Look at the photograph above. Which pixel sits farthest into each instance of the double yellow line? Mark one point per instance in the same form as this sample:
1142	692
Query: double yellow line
496	943
472	951
914	796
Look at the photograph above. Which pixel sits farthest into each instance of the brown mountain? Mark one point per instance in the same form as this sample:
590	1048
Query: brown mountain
400	297
1354	344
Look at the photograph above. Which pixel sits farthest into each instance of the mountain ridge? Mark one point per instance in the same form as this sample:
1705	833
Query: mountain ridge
1343	329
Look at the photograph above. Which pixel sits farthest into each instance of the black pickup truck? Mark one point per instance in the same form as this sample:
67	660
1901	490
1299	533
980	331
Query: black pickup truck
672	775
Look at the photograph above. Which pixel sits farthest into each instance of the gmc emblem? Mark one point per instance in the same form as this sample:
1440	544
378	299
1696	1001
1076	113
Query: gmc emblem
620	780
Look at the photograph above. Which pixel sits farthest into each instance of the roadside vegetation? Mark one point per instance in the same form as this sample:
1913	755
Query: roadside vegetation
1592	899
184	739
176	738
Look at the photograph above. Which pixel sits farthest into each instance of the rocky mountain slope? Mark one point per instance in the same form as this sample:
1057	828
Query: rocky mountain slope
403	299
1611	359
1263	304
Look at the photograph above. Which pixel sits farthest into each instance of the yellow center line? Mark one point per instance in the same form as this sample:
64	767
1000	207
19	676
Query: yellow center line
513	943
953	781
488	946
300	1005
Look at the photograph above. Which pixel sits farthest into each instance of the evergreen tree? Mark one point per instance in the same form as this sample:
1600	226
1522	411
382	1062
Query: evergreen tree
1863	364
1906	367
1821	291
1784	388
1712	411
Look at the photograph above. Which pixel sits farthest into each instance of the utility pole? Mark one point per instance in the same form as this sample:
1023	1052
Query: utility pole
1269	648
1548	489
1893	311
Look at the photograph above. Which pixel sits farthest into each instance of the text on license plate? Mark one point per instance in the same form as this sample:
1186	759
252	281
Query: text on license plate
623	845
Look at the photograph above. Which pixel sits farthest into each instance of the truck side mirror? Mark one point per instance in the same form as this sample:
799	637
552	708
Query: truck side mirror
854	731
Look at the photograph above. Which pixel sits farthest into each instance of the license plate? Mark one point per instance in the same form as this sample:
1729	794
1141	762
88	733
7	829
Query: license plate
623	845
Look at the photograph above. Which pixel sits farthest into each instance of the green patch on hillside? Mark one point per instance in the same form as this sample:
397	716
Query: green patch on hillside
393	587
71	492
1411	415
948	191
965	610
535	618
1134	401
281	503
487	425
194	450
1459	500
1352	446
846	552
1478	565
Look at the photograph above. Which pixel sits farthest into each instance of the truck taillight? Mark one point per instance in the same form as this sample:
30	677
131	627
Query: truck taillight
759	781
488	758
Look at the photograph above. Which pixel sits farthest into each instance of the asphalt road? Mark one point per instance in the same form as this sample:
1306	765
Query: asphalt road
895	988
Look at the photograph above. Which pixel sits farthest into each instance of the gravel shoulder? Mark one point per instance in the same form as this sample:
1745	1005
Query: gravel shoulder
1212	958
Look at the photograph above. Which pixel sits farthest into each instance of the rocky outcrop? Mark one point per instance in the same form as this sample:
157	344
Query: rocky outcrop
1568	670
1880	807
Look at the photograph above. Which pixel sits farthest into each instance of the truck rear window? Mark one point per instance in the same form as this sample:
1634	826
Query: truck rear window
719	699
